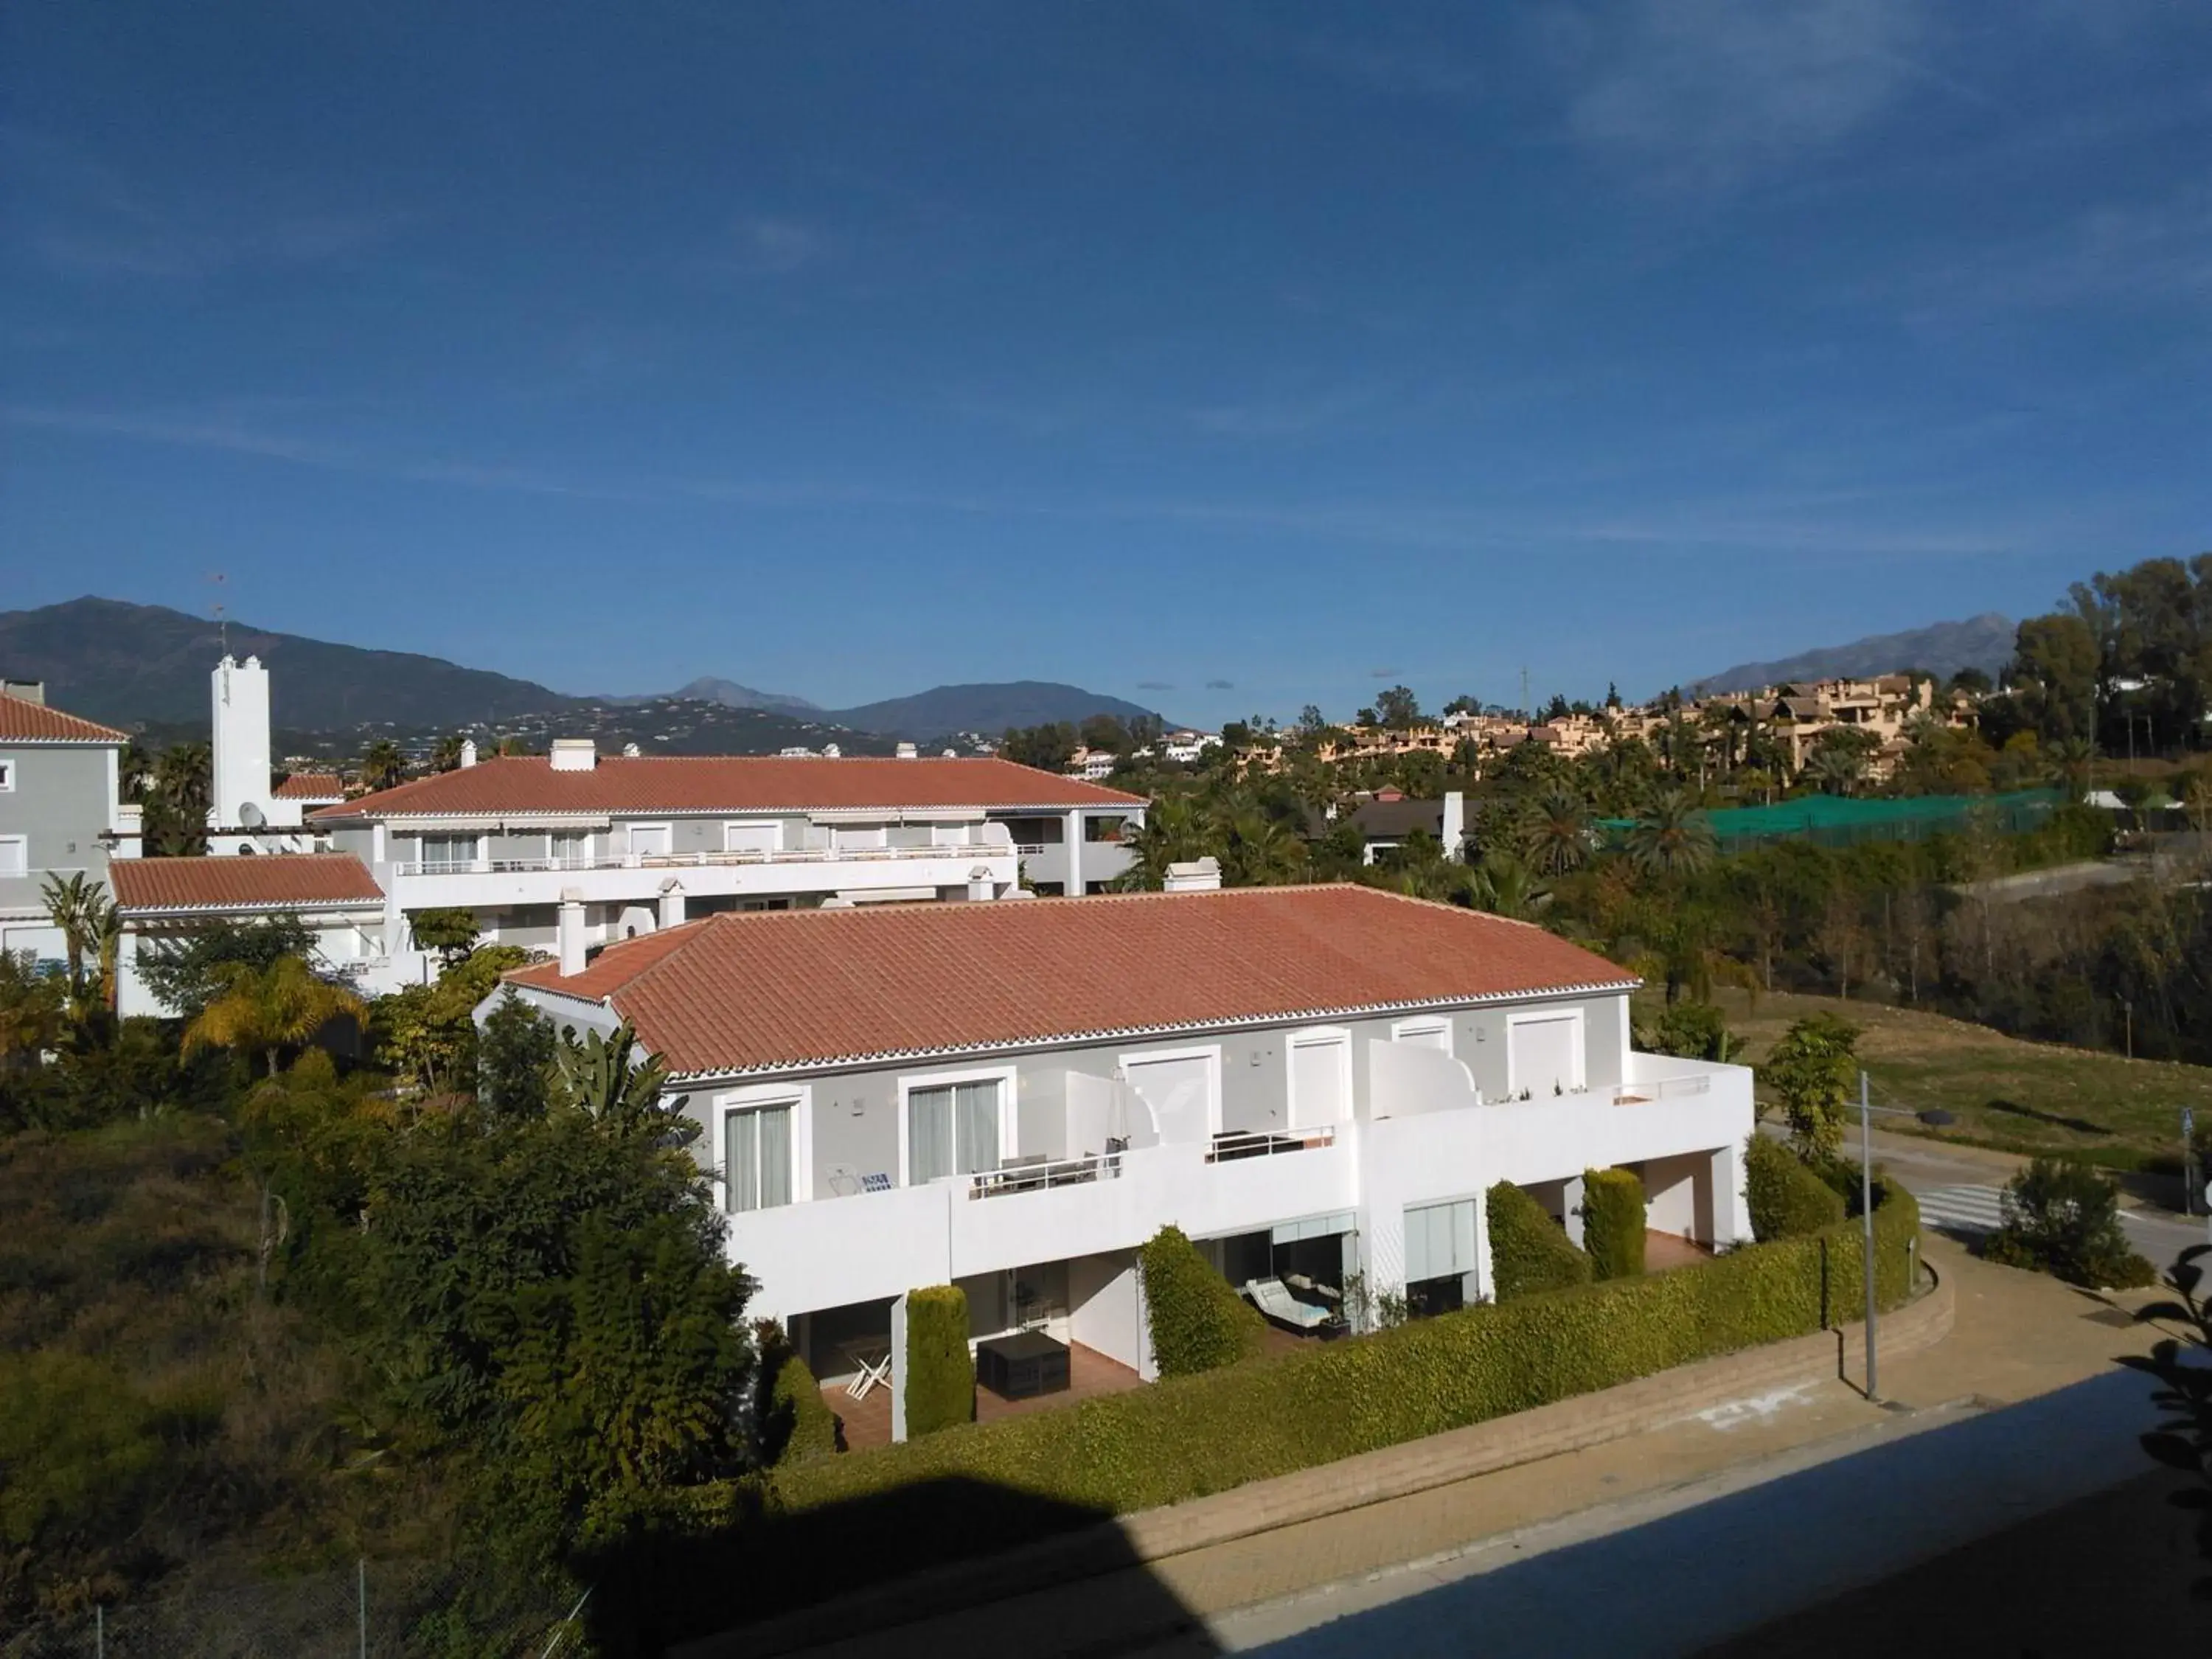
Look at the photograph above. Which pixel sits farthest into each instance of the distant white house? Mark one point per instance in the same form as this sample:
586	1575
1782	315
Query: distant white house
1318	1084
61	811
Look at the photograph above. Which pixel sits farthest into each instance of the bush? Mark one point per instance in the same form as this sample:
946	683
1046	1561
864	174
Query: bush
1689	1031
1787	1198
941	1372
1612	1223
791	1420
2064	1218
1528	1251
1189	1436
1199	1323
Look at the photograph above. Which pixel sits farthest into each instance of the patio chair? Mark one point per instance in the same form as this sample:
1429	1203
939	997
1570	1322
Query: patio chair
1272	1297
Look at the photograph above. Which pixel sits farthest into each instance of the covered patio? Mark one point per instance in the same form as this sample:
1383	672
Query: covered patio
867	1421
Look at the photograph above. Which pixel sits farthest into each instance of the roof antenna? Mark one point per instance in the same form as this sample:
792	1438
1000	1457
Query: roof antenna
221	621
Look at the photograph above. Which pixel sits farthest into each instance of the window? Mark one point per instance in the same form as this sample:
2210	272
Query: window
652	840
1439	1256
449	852
858	838
1424	1034
6	774
952	1129
569	849
15	856
757	1157
761	838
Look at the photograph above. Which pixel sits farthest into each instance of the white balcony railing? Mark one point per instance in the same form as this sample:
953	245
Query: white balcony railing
1260	1143
1665	1088
698	860
1020	1177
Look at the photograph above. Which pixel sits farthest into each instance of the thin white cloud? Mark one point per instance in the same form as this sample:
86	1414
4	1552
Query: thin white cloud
1710	92
775	247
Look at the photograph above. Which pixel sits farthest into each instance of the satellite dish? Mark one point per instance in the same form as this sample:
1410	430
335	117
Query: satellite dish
252	815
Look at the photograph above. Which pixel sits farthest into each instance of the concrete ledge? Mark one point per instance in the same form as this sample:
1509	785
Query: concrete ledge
1374	1477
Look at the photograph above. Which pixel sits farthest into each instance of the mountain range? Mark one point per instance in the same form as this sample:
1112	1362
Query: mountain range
1985	642
140	665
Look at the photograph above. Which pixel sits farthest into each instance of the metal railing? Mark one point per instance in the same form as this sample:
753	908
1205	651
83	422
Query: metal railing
703	859
1225	1148
1042	1176
1670	1088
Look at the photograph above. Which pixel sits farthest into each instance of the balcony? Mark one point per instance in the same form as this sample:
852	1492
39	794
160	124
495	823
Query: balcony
754	857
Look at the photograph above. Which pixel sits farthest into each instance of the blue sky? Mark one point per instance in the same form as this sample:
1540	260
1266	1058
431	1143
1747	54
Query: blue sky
1226	357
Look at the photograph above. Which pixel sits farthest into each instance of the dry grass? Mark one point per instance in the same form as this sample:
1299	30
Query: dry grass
2013	1095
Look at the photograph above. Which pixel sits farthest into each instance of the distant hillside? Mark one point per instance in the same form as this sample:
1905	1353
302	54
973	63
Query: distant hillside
728	693
1985	642
123	663
989	709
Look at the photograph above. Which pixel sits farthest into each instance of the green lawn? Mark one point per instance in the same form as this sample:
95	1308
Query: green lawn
2019	1097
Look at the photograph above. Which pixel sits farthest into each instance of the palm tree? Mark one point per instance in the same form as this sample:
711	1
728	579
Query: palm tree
1505	886
270	1009
86	917
1172	833
382	765
1837	771
2075	757
447	757
1673	839
1261	852
1555	833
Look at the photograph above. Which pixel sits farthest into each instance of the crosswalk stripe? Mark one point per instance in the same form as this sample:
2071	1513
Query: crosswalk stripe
1963	1209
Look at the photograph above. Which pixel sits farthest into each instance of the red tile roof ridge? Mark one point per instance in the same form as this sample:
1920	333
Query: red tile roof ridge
22	721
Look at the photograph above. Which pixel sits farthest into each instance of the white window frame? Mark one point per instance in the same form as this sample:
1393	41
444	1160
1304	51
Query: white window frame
553	859
7	775
1209	1052
879	838
23	844
773	826
1315	1036
800	1099
1544	1016
1006	1077
629	839
1422	1025
449	867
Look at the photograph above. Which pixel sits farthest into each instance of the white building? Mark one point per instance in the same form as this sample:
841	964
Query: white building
572	851
332	894
61	812
1318	1082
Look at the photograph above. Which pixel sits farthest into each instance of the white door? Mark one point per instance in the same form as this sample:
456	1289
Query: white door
857	838
651	841
1544	1056
1321	1082
1180	1093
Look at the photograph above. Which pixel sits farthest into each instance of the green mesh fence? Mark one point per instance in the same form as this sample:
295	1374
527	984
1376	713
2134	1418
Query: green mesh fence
1839	821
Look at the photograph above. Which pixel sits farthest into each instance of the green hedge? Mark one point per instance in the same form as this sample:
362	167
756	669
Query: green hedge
1612	1223
1189	1436
941	1372
1528	1251
1199	1322
1787	1198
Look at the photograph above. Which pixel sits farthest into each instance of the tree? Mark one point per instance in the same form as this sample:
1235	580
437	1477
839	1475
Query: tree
451	932
1504	886
1106	734
1674	839
1554	834
186	974
269	1010
177	802
2183	1440
1839	759
1260	851
1311	720
382	765
429	1031
1049	747
1397	708
1811	1070
447	757
30	1011
1971	680
515	1057
1173	832
607	1080
2055	673
89	929
2064	1218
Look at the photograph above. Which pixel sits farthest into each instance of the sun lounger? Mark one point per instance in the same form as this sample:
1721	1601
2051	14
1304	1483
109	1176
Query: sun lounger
1272	1297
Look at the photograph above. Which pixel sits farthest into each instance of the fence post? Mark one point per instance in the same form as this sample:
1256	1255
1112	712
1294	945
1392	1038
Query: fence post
361	1581
99	1630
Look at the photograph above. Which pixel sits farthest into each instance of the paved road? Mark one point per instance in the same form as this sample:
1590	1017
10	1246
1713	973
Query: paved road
1669	1573
1970	1211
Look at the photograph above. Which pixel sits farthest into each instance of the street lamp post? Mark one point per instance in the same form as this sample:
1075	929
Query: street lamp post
1866	1215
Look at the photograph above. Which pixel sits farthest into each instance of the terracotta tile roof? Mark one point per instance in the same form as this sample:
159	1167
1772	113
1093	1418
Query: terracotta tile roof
311	785
737	992
272	881
743	783
33	722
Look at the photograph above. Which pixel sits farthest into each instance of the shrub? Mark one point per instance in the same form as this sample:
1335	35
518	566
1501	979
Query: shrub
1198	1321
1787	1198
1612	1223
941	1372
791	1420
2064	1218
1529	1250
1812	1069
1187	1437
1689	1031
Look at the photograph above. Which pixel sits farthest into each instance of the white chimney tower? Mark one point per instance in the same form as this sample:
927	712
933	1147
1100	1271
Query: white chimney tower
239	795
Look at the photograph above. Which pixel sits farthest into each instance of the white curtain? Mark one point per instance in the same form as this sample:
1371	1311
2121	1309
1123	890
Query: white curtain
952	1130
756	1158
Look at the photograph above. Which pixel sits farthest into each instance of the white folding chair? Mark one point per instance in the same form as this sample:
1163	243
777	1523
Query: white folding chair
872	1363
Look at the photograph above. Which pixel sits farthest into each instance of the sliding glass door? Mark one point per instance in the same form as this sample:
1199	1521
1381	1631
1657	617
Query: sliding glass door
757	1157
952	1129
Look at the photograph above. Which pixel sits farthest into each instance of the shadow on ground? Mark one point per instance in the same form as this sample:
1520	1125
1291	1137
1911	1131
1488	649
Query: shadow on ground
1859	1527
869	1569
